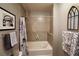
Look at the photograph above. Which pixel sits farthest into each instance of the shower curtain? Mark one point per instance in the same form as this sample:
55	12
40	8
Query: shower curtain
23	36
71	42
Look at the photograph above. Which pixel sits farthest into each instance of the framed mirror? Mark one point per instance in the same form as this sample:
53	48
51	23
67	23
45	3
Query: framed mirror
73	19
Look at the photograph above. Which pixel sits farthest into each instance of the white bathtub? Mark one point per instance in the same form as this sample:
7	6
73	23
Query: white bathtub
39	48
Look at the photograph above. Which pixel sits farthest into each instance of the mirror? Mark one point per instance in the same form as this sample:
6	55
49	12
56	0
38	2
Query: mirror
72	20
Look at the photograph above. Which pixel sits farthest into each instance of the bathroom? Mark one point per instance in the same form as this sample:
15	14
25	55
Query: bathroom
44	23
38	27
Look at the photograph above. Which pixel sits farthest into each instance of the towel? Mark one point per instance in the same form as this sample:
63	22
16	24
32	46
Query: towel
13	38
7	41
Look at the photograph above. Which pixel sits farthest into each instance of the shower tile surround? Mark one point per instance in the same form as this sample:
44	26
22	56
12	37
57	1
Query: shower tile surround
38	25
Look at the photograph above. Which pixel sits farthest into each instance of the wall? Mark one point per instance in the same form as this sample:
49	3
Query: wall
50	34
60	12
18	10
38	23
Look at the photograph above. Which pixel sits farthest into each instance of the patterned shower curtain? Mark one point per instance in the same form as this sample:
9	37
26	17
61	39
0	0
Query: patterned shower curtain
70	42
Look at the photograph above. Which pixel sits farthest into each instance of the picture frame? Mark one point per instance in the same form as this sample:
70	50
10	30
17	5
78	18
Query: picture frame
7	20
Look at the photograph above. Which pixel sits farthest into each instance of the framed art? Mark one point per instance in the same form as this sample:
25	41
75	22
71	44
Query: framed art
7	20
73	19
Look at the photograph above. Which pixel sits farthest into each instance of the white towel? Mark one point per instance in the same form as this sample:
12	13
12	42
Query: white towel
13	38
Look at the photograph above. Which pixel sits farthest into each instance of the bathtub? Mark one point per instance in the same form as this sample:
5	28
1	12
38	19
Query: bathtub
39	48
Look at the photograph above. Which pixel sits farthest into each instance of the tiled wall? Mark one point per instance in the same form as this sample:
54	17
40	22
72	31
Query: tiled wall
38	24
40	36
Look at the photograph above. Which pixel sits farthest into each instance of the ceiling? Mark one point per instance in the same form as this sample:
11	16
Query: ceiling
37	6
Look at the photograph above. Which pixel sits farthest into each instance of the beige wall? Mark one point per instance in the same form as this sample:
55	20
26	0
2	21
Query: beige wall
59	24
18	10
50	34
38	23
